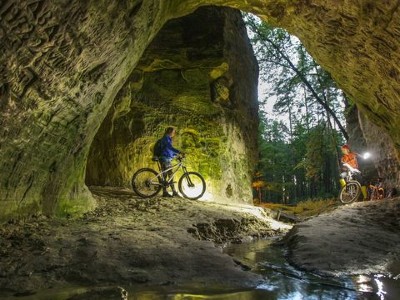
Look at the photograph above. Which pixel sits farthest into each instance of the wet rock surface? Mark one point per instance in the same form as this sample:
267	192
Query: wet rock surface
126	241
63	63
361	238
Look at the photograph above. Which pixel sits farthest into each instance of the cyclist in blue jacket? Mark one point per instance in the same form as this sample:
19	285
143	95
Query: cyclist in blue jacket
168	152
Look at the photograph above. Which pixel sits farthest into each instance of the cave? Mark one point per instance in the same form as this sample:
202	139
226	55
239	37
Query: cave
87	87
67	68
199	75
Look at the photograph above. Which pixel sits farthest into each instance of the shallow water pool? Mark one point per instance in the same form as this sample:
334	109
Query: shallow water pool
281	281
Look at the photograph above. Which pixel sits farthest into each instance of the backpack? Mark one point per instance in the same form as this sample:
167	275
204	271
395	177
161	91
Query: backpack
157	150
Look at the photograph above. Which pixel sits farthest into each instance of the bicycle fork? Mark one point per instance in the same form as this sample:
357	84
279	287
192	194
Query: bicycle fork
190	183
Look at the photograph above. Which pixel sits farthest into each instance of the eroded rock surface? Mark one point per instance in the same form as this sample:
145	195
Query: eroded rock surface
62	64
361	238
129	241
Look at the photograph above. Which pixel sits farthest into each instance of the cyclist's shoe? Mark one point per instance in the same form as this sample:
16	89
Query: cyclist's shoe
166	194
175	194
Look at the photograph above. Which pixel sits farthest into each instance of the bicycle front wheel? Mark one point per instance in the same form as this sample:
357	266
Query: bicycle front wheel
350	192
146	183
192	185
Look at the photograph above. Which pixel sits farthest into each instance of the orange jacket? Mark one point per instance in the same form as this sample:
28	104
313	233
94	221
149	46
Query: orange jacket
351	159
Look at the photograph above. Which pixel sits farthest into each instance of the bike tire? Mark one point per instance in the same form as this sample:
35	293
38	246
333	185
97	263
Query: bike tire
373	194
192	185
142	183
350	192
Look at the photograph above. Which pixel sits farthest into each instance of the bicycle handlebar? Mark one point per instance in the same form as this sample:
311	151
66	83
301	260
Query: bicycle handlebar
180	156
353	170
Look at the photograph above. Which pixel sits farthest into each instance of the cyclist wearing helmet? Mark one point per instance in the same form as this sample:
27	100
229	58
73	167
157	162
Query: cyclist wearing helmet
350	158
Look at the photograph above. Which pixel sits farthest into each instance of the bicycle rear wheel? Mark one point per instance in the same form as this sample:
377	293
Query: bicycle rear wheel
192	185
373	193
146	183
350	192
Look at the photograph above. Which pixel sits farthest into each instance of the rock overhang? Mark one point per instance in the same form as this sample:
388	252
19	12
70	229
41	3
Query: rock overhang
64	63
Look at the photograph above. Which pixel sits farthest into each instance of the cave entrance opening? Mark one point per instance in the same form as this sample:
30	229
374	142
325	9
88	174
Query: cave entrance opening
303	116
200	76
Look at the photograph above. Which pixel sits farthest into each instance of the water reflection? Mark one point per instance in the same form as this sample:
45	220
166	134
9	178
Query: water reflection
381	290
282	282
287	282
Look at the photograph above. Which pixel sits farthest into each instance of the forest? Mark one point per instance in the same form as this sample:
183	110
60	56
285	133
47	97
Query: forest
302	120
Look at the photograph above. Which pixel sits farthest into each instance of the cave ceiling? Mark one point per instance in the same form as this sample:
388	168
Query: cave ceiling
63	62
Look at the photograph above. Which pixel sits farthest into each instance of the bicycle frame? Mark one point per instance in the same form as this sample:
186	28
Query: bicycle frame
350	172
162	174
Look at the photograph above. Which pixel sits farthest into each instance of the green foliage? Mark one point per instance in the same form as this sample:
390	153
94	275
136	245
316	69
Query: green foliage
299	87
298	157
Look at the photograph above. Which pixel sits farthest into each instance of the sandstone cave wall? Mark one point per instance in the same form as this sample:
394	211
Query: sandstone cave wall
384	155
358	144
200	75
62	63
364	136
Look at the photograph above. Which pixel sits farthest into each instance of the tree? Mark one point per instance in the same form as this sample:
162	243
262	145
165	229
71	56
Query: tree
299	157
286	65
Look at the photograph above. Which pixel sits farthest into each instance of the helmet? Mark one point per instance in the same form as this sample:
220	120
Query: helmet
345	146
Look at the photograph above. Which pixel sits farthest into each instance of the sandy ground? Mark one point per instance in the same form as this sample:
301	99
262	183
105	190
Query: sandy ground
360	238
131	241
128	241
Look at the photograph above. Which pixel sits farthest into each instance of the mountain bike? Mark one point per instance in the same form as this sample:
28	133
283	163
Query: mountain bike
147	183
352	189
376	190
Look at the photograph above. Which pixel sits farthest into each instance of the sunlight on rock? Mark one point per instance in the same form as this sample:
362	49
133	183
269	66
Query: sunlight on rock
259	213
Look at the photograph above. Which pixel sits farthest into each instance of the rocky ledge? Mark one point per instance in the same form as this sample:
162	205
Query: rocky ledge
129	241
360	238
